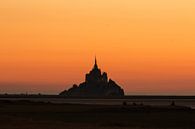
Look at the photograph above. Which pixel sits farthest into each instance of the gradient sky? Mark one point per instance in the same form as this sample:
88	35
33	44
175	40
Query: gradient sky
147	46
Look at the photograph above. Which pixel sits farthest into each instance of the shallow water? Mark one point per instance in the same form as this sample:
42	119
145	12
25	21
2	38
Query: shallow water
157	102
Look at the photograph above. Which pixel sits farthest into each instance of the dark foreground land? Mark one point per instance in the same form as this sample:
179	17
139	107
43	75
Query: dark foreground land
39	115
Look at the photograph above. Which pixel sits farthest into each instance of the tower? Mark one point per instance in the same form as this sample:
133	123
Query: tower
95	65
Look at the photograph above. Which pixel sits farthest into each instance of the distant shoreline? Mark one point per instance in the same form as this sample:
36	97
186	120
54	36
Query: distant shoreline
124	97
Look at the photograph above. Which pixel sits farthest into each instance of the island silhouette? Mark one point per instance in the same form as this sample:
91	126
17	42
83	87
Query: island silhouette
96	84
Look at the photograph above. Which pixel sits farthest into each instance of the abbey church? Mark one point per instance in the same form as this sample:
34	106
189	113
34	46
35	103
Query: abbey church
96	84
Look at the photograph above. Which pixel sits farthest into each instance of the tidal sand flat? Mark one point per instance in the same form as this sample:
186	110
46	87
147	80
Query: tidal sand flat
41	115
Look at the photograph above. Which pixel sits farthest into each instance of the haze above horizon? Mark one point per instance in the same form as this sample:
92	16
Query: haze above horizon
148	47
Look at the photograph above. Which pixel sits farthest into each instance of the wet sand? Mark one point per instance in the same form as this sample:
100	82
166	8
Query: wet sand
147	101
41	115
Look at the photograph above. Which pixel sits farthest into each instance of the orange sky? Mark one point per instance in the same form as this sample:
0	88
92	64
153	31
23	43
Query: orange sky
147	46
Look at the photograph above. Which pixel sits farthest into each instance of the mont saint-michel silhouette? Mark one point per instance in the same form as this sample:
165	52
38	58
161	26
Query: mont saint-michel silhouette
96	84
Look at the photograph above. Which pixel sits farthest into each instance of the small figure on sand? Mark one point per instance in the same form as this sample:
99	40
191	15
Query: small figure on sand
124	103
173	103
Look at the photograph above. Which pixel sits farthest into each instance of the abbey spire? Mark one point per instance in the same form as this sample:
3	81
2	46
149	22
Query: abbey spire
95	65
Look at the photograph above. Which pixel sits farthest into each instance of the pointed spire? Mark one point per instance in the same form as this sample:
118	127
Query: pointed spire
95	65
95	60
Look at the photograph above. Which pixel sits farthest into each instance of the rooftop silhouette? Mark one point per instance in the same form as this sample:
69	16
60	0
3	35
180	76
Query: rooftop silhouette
96	84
